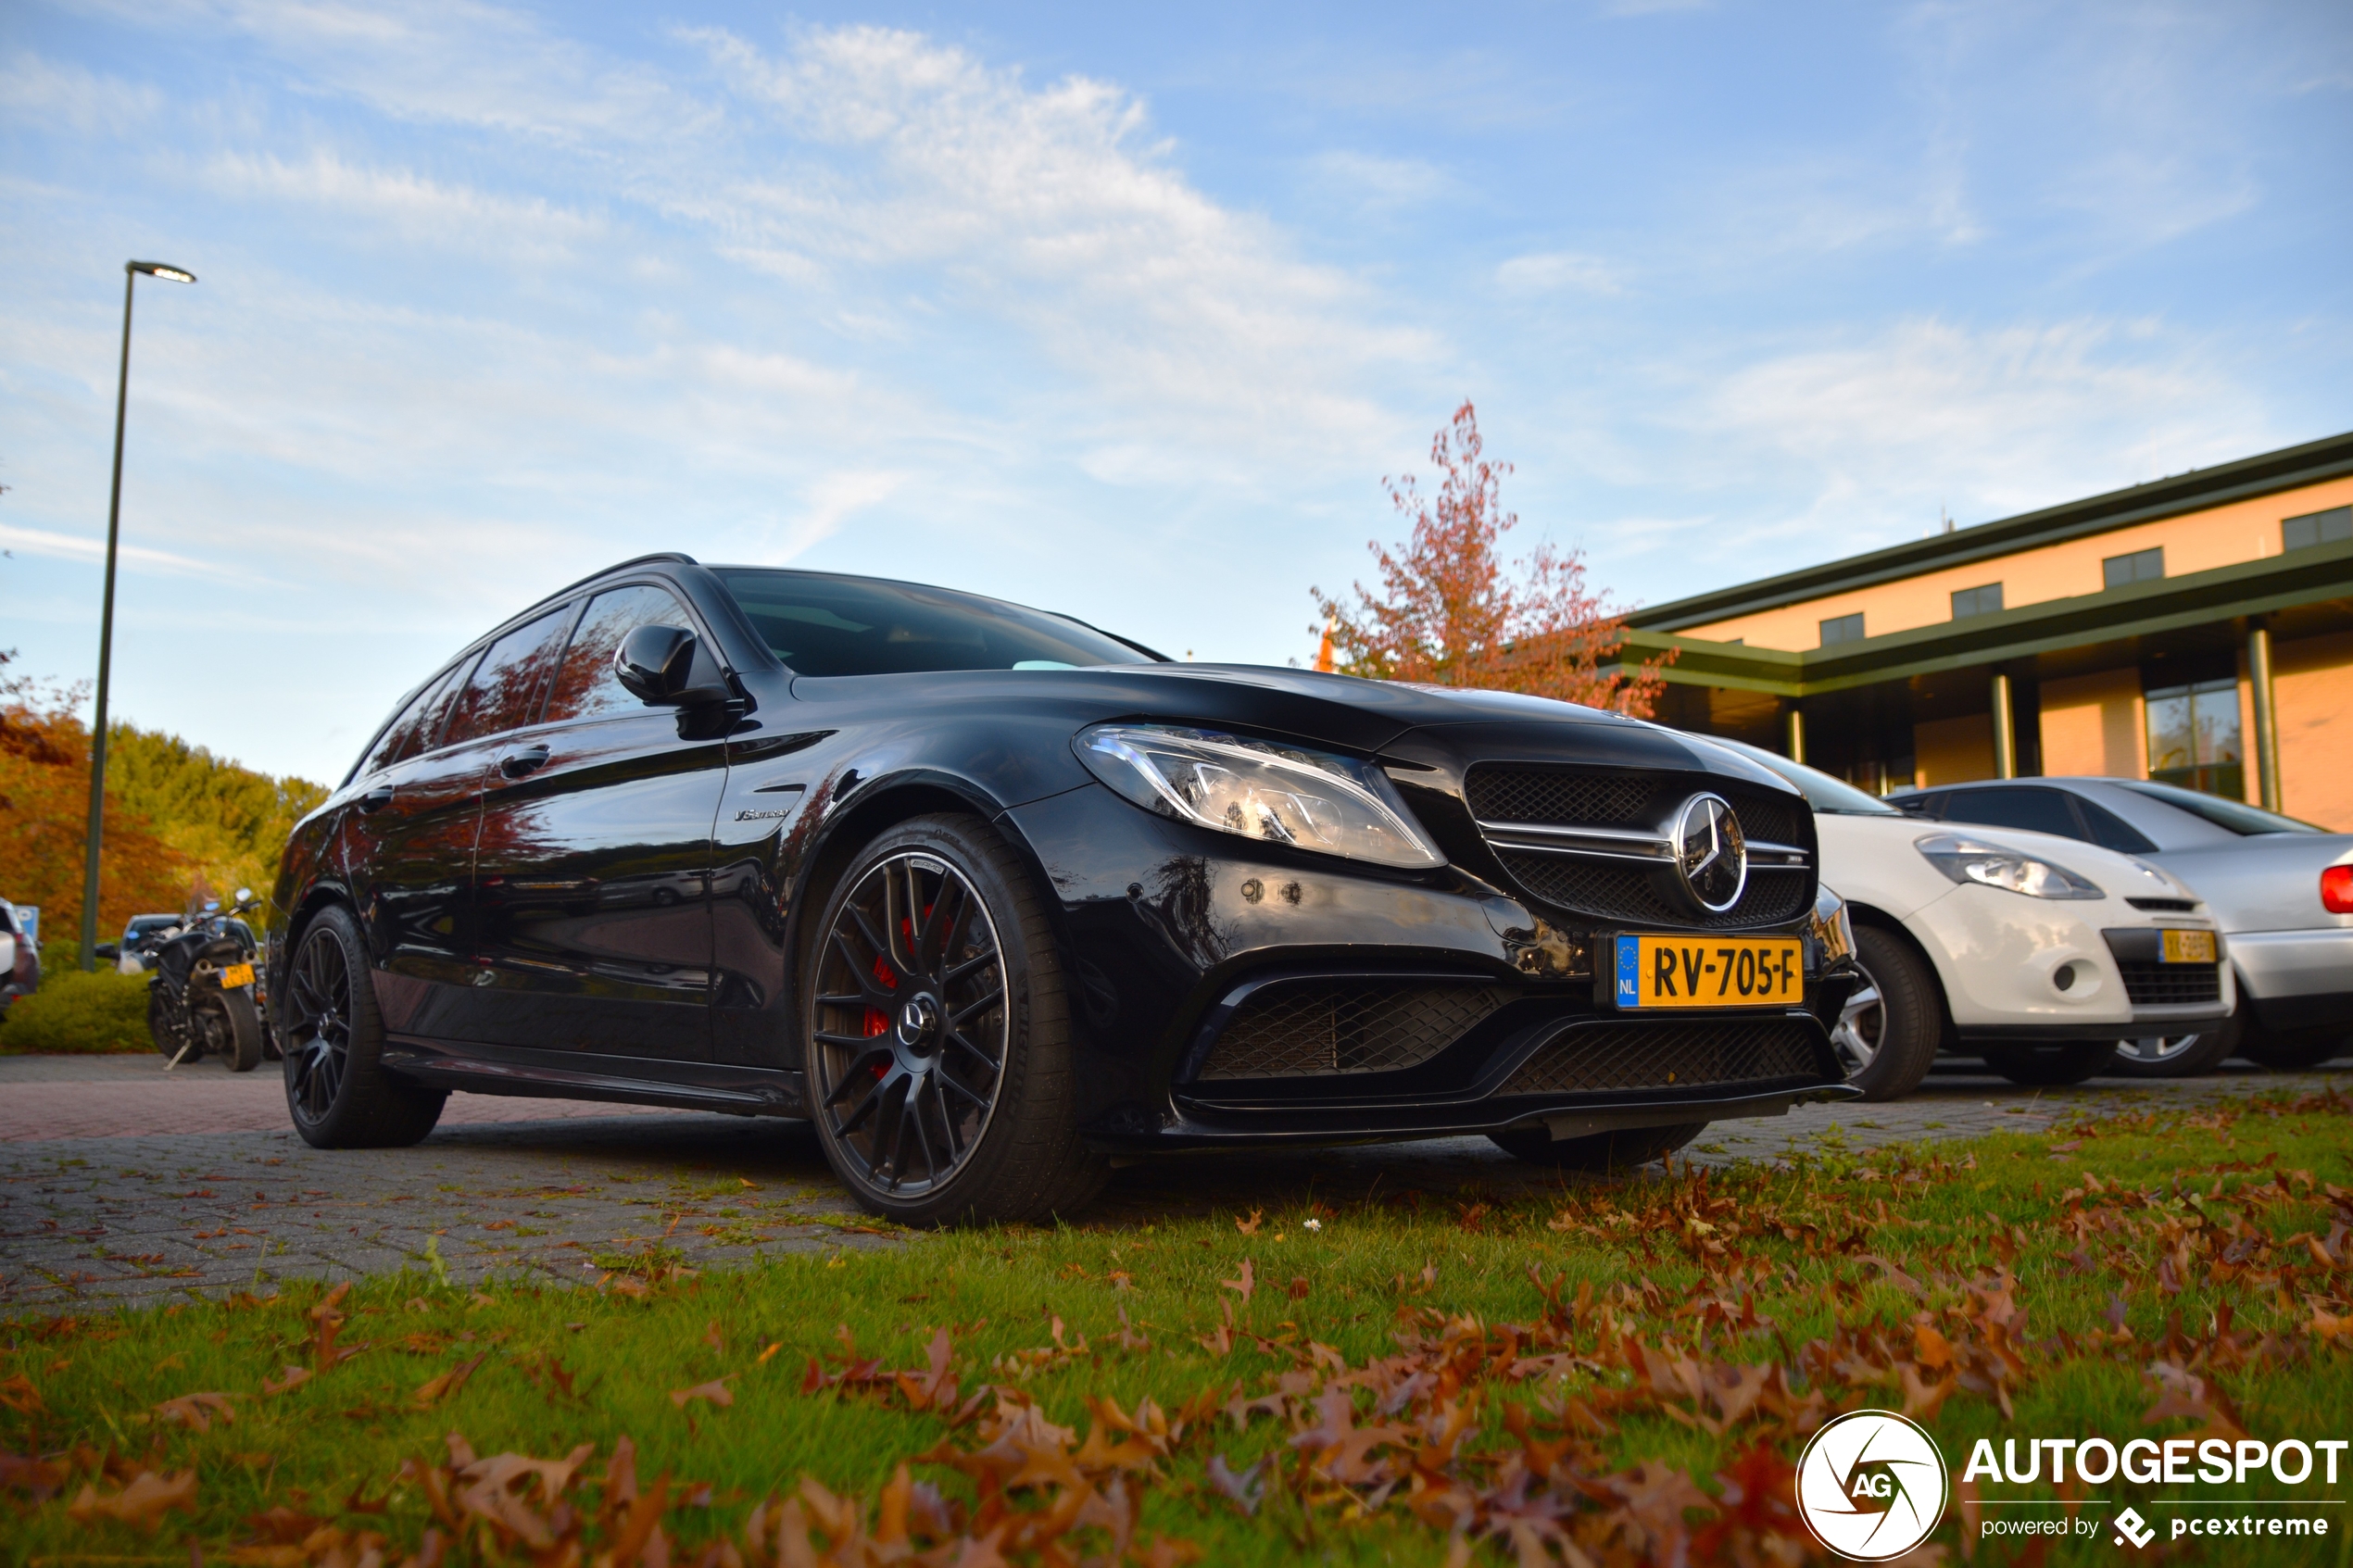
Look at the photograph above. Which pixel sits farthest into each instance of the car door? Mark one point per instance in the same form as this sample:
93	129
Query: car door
593	875
408	844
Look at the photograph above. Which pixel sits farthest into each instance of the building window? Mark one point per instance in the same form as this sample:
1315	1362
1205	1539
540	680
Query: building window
2141	566
1977	601
2332	527
2194	737
1843	629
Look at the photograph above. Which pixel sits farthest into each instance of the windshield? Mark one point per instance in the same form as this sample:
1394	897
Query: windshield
2237	816
1822	791
863	626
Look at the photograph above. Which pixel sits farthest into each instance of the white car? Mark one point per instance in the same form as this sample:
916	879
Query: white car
2036	952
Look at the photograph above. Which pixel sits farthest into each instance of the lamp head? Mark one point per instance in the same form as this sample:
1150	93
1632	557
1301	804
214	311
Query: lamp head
163	269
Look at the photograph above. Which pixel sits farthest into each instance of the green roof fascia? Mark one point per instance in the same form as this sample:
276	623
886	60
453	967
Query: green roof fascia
2288	469
2256	587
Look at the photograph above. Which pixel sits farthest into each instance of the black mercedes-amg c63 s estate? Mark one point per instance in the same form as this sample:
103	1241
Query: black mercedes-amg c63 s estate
993	897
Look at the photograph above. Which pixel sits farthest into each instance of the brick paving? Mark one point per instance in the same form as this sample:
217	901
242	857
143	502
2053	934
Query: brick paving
120	1186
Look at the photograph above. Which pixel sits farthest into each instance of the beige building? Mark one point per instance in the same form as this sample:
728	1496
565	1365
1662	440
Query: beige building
2199	629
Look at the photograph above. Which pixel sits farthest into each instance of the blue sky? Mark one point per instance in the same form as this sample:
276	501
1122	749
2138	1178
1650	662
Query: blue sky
1111	312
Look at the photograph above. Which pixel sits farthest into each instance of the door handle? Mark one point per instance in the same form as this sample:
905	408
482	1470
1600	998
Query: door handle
377	798
530	759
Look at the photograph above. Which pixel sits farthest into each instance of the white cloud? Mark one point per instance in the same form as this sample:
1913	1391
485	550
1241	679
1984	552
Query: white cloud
1560	271
84	548
1051	207
417	208
55	96
1997	420
1378	183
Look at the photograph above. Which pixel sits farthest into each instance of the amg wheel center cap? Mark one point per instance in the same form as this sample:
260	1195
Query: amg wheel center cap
916	1021
1711	855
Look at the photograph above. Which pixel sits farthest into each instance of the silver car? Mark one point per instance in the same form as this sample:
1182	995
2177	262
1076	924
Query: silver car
2282	891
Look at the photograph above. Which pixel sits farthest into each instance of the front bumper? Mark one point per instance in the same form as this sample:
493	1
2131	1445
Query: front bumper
2298	979
1172	929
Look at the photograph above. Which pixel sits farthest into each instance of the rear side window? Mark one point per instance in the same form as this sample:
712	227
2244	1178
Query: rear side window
2112	832
413	732
585	686
507	685
2038	810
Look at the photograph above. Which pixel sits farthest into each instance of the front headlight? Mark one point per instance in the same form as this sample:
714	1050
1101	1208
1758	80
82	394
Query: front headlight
1280	794
1965	859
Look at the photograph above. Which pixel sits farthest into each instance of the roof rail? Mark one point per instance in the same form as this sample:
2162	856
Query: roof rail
680	557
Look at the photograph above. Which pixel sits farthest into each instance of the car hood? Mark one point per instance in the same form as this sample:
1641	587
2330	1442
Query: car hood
1339	710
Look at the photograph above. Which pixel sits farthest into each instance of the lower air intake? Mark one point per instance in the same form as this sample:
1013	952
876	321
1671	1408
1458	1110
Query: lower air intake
1603	1057
1309	1028
2161	985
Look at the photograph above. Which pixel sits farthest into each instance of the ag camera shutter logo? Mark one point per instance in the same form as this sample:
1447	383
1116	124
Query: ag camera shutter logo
1872	1485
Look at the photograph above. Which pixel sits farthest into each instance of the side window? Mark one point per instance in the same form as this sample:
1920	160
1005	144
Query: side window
414	729
2038	810
2112	832
507	685
586	687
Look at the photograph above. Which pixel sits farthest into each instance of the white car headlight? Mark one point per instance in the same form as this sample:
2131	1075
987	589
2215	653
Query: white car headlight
1965	860
1280	794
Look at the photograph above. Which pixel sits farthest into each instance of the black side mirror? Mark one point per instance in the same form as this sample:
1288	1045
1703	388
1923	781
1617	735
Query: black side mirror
666	667
106	950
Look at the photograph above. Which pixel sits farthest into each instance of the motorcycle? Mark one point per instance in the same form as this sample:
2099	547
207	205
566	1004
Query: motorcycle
204	995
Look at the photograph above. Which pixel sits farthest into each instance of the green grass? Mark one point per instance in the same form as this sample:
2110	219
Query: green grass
78	1014
1828	1272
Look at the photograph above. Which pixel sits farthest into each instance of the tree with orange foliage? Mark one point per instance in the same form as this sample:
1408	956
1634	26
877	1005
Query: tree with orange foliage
1452	613
45	809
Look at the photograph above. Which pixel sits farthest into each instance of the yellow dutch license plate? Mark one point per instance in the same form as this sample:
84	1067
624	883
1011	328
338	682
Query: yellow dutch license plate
1709	972
236	975
2189	946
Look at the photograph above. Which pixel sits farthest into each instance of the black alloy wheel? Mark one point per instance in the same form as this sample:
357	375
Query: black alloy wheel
331	1037
938	1034
1624	1148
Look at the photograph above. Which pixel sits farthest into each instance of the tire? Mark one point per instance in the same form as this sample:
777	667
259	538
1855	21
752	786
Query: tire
2179	1056
160	1028
933	1105
2297	1052
2060	1062
1626	1148
331	1039
231	1029
1889	1029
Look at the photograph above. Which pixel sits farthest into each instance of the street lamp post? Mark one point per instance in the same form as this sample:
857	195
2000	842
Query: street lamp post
131	270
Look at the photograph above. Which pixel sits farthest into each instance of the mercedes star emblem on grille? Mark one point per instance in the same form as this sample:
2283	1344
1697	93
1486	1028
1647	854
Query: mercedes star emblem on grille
1710	854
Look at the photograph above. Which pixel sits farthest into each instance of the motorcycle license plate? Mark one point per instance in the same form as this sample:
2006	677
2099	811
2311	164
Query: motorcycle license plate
2189	946
1714	971
236	975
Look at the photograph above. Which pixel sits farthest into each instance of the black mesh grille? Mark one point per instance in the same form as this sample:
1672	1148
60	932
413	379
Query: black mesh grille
1666	1056
1617	890
1620	800
2158	984
1506	795
1304	1028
